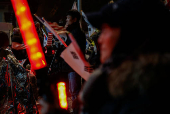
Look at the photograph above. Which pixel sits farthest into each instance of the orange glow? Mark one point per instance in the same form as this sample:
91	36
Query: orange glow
33	49
17	13
26	25
39	55
22	9
38	65
24	20
62	95
29	34
32	41
34	57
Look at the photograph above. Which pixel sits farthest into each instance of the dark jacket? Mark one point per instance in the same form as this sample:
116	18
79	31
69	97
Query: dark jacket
19	54
138	86
79	36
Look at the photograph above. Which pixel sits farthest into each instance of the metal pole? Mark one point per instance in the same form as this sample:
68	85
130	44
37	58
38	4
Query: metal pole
79	4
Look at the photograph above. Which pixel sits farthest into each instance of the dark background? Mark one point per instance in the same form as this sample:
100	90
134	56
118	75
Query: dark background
54	10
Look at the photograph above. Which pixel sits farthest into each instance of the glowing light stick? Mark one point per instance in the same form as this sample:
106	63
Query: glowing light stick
29	34
62	95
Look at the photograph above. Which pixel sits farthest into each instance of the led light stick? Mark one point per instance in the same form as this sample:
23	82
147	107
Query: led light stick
62	95
29	34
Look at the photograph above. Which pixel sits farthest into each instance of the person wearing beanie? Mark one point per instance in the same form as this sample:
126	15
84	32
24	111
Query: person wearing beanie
134	76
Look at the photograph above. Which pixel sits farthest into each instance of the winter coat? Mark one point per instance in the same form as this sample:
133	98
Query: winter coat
79	36
137	86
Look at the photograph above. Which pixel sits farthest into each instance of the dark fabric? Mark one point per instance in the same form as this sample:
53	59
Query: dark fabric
94	60
4	39
94	93
74	78
19	54
149	94
17	38
79	36
124	12
3	53
97	100
74	84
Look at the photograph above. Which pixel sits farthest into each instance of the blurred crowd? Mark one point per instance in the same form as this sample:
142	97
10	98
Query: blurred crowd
128	51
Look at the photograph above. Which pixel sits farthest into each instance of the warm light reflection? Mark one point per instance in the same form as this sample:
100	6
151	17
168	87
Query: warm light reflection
43	62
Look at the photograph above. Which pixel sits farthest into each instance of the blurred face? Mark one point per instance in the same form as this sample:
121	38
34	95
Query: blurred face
107	41
69	21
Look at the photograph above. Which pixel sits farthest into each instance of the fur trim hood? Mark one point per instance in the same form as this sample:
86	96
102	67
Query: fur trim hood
146	74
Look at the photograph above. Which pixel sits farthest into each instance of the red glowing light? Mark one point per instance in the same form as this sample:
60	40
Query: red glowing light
29	34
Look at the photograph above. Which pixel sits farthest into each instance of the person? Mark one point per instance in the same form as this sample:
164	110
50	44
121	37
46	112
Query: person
13	73
3	54
135	55
72	25
18	47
